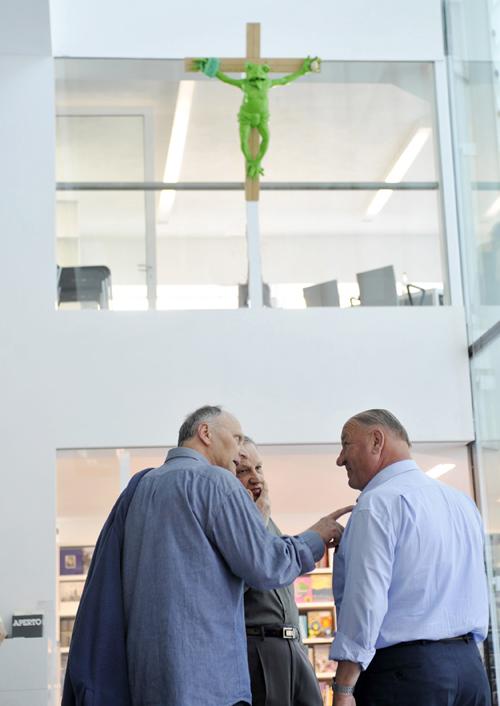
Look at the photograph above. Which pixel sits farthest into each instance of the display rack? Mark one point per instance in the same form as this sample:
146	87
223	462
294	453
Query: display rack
314	598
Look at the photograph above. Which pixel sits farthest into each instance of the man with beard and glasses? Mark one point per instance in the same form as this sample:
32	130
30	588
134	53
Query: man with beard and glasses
280	671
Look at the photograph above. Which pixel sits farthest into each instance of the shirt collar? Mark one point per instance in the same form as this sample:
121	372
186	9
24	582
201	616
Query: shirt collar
389	472
185	452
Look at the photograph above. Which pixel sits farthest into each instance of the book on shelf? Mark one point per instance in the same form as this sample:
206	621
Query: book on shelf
321	588
303	626
75	560
326	693
320	623
71	591
323	562
70	560
87	553
310	655
322	662
303	589
65	630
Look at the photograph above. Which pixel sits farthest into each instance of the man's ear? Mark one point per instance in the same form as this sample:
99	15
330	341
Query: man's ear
203	434
378	440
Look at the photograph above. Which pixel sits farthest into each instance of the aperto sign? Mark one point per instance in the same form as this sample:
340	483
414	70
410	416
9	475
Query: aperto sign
24	625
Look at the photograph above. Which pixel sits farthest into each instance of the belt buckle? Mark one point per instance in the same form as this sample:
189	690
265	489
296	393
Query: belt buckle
289	633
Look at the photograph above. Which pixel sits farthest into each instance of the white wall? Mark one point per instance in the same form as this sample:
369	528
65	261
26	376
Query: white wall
358	29
128	379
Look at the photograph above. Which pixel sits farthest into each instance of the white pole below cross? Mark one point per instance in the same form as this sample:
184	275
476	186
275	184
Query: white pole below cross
253	251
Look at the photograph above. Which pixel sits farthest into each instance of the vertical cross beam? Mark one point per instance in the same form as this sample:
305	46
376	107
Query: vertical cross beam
252	186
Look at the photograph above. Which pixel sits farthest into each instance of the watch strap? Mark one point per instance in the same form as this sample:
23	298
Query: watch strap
341	689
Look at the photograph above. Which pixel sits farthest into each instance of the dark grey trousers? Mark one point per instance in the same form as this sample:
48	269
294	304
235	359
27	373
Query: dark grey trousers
281	674
434	674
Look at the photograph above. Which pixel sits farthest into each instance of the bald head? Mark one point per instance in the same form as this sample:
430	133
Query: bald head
214	433
371	441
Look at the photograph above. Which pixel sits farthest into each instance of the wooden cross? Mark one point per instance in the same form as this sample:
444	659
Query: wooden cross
238	66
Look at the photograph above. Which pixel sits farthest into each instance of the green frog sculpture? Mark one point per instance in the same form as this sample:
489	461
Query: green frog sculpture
254	111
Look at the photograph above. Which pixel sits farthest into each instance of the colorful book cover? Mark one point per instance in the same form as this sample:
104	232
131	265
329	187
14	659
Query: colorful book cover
70	560
302	589
322	662
321	587
303	626
320	623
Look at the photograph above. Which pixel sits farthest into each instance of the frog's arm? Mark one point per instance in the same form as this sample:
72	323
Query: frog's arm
304	69
210	67
238	82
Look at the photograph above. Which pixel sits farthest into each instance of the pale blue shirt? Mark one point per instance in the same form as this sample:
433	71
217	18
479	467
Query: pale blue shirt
193	538
410	566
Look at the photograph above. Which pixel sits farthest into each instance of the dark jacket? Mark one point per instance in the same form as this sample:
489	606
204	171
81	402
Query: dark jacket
97	673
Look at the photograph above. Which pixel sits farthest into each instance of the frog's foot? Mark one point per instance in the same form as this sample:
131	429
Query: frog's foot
254	170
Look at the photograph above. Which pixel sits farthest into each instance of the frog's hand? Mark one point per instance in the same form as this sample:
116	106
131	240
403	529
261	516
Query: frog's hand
312	64
208	66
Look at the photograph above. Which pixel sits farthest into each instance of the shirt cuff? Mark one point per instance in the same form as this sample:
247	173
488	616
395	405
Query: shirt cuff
314	542
345	650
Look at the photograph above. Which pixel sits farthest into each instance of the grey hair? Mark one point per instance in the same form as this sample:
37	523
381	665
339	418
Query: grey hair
193	421
383	418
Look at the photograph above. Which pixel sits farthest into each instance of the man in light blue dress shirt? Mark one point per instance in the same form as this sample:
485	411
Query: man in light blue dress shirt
409	580
193	539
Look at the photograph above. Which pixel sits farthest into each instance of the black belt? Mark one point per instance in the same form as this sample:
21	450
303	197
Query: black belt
286	632
460	638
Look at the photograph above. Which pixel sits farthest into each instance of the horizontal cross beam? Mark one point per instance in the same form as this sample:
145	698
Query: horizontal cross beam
277	66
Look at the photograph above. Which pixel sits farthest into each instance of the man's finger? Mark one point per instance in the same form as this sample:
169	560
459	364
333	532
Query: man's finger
342	511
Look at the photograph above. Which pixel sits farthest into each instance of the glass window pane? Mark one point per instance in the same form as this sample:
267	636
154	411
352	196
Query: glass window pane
310	238
102	229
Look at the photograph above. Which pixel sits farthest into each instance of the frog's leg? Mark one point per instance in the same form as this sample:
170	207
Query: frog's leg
263	129
245	129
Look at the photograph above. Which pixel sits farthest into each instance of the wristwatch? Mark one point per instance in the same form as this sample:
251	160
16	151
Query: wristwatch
340	689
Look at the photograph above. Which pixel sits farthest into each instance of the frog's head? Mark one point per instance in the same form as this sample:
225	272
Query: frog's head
256	73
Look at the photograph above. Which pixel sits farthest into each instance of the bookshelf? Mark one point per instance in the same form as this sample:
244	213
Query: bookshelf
314	598
74	564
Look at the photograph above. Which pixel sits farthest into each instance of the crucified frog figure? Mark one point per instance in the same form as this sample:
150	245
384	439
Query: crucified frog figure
254	111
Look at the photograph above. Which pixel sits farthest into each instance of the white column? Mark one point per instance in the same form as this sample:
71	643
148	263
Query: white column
27	303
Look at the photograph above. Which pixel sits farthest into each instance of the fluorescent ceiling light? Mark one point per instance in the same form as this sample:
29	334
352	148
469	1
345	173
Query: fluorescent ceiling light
440	469
176	147
399	169
494	209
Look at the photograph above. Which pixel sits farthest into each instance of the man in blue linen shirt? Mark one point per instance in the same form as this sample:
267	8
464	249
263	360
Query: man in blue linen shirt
409	580
193	538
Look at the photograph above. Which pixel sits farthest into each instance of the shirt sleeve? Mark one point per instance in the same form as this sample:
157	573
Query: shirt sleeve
263	560
369	556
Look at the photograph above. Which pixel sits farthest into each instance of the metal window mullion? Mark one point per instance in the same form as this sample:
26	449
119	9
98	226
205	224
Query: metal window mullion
450	239
150	213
